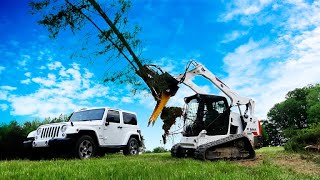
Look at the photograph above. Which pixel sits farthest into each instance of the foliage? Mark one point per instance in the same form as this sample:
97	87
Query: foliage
271	134
295	120
159	150
11	138
149	166
301	138
169	116
100	24
13	134
313	101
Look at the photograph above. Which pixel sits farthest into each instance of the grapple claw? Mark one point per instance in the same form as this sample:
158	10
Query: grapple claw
162	86
164	98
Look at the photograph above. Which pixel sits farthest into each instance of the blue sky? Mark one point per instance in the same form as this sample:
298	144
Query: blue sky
262	49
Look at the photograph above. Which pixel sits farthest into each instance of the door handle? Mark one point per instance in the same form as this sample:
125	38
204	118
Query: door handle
120	127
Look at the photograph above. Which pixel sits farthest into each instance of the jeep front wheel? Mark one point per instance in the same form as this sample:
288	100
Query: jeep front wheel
132	147
85	147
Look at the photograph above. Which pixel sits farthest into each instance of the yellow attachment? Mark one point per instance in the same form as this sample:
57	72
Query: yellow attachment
160	105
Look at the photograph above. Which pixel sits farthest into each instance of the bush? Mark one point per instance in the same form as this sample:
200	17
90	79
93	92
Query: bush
159	150
11	140
13	134
302	138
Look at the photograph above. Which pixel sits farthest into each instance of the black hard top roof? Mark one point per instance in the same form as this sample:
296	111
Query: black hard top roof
205	98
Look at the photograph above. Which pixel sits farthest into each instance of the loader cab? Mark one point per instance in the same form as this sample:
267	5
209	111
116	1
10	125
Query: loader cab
206	112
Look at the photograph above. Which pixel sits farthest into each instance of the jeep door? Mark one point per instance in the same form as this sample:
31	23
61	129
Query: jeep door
113	131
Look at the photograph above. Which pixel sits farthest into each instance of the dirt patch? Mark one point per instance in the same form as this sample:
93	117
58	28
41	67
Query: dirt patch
295	162
250	163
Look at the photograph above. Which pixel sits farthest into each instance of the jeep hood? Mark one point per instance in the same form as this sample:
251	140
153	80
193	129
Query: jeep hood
75	123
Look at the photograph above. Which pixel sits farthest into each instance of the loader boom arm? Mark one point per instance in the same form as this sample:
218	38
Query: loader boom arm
164	86
236	99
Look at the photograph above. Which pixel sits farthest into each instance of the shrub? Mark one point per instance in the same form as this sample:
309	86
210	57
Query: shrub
302	138
159	150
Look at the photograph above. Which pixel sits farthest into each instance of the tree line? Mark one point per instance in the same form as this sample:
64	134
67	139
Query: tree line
13	134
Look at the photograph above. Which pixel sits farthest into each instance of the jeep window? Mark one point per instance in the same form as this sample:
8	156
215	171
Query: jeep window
88	115
129	118
113	116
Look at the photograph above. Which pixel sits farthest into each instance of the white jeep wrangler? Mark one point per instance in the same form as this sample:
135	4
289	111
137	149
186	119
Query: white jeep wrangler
88	133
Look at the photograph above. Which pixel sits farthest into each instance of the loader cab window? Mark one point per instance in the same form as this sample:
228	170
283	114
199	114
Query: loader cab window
206	112
113	116
191	111
216	117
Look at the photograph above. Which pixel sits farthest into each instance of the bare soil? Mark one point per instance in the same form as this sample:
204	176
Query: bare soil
295	162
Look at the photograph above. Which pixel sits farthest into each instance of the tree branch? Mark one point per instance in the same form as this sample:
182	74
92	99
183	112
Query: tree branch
102	32
116	31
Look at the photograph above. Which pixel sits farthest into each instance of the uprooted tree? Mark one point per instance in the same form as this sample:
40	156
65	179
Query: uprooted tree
106	25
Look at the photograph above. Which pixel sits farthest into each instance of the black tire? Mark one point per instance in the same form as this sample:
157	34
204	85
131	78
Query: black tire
85	147
177	151
132	147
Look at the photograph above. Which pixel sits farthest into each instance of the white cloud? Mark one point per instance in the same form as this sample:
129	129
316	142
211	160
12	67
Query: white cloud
42	67
8	88
26	81
24	59
54	65
57	95
50	81
97	90
266	70
3	107
244	8
113	98
301	15
5	91
176	66
63	72
88	74
28	74
127	100
234	35
22	63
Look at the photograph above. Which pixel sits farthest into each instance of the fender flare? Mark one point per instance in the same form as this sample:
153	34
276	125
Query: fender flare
129	135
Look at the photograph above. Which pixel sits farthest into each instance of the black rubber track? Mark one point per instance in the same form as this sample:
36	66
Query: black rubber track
200	152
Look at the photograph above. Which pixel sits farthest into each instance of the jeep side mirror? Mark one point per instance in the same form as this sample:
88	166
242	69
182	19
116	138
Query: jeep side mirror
108	120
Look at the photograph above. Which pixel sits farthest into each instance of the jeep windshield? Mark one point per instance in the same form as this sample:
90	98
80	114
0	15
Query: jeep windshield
88	115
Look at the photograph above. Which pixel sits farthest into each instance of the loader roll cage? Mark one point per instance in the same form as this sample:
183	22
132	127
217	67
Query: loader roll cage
209	112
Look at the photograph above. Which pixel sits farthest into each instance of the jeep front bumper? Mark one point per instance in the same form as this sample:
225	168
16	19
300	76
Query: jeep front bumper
59	142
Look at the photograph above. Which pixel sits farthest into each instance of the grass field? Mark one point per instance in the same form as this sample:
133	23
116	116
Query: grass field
271	163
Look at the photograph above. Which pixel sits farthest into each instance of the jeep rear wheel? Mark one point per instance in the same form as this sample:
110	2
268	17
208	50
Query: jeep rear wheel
132	147
85	147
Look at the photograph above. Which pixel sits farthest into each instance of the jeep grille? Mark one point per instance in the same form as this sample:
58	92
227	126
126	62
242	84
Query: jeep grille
50	132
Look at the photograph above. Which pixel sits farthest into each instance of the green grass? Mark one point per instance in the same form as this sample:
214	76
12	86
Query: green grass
146	166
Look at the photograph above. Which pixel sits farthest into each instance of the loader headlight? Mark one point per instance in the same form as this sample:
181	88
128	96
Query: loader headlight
38	131
63	128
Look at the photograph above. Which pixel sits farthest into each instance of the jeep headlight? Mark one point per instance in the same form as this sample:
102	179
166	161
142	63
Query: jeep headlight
38	131
63	128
